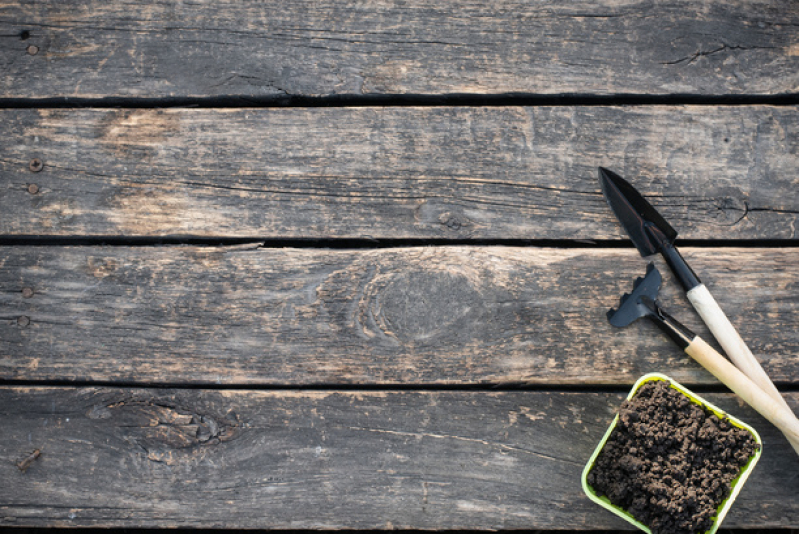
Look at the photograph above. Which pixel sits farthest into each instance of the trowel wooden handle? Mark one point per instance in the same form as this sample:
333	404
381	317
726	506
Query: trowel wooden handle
731	341
780	416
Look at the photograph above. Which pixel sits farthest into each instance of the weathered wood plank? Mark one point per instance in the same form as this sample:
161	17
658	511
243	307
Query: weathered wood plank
95	49
328	459
427	315
495	173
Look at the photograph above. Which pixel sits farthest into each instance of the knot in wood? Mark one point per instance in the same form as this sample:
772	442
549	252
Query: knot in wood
452	221
444	216
166	432
426	306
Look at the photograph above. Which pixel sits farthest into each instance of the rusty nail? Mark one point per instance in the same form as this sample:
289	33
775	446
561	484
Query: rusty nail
27	462
27	292
32	50
23	321
33	189
36	165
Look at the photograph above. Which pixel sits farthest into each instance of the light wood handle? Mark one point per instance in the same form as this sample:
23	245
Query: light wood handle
744	387
731	341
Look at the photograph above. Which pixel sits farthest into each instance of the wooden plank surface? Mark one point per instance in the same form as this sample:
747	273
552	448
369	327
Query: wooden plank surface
419	315
328	456
448	173
330	459
97	49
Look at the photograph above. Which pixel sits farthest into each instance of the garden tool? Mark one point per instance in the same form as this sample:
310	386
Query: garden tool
650	233
642	302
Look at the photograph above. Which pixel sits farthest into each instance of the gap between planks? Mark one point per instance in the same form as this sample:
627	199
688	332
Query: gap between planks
254	242
406	100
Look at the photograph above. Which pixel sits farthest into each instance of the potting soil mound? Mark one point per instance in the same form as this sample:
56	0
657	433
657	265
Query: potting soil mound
670	462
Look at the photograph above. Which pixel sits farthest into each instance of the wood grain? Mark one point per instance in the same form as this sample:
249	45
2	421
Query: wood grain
330	459
417	173
419	315
97	49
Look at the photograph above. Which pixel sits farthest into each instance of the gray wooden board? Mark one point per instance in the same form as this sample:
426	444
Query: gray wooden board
330	459
417	315
454	173
96	49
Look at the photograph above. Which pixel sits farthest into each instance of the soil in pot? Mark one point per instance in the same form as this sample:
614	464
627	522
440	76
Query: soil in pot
670	462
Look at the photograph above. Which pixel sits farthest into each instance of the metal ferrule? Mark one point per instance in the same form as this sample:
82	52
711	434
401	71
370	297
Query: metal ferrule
678	332
681	270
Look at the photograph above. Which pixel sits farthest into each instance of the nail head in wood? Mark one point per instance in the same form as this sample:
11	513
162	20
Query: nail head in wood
36	165
32	50
33	189
23	321
27	292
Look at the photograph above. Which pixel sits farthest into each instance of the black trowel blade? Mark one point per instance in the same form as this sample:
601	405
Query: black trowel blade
630	306
648	230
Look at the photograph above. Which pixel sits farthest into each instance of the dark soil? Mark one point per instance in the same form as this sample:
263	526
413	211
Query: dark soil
670	462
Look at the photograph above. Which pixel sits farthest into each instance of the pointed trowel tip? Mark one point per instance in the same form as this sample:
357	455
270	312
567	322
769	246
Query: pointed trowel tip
605	178
606	175
606	182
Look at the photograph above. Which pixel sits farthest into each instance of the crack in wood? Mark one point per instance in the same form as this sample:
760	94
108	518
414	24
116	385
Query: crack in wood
420	435
723	48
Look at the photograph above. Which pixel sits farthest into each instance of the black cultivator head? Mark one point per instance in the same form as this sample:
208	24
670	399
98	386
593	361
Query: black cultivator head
642	302
639	303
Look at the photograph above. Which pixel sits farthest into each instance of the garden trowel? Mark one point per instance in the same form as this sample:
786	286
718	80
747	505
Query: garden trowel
642	302
650	233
